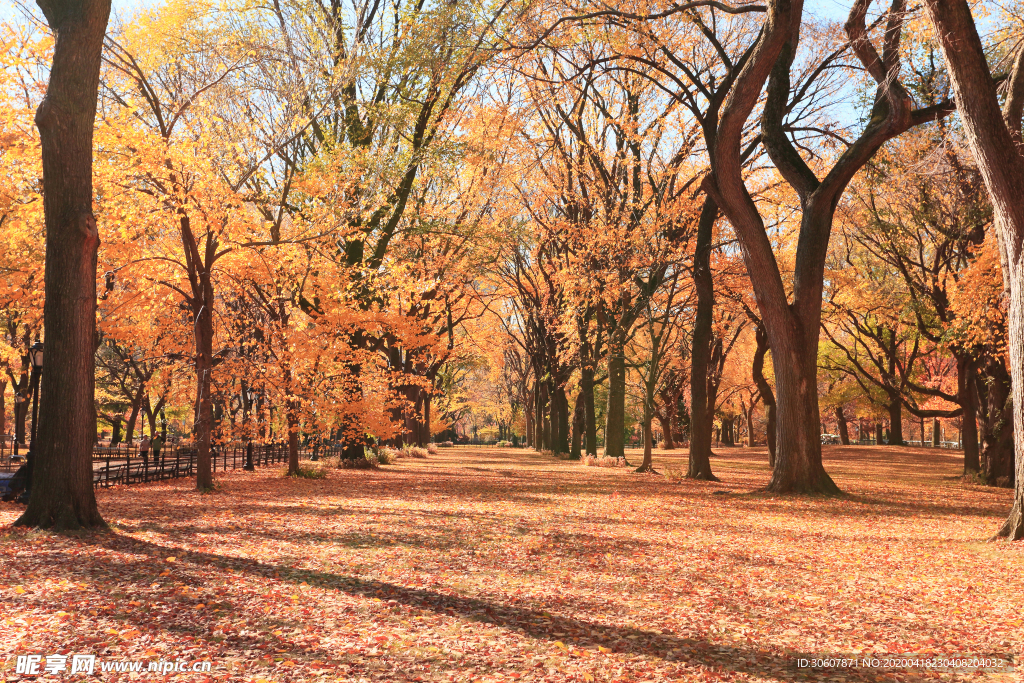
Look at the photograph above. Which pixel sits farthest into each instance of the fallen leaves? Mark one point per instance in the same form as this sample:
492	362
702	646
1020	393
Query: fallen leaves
434	571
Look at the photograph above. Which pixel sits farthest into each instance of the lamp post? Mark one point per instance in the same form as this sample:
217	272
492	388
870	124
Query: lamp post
35	354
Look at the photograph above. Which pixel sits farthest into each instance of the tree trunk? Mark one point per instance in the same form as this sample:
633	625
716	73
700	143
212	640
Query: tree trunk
748	415
529	420
896	422
701	424
879	436
936	432
3	407
115	430
20	417
62	491
647	464
204	402
589	409
560	421
538	417
426	418
993	135
578	425
293	437
615	420
844	430
668	442
798	467
965	371
996	412
133	417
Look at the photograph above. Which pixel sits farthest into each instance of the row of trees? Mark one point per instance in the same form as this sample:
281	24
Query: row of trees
330	217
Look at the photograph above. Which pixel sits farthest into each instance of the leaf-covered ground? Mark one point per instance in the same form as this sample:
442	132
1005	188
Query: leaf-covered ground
497	565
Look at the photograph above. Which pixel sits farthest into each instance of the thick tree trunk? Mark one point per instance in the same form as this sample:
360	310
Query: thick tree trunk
965	371
844	430
701	424
578	425
879	434
615	420
589	409
936	433
765	390
62	492
798	467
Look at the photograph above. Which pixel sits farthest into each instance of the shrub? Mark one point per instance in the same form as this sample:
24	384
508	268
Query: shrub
588	461
368	461
310	471
432	449
674	476
417	452
504	444
387	455
446	444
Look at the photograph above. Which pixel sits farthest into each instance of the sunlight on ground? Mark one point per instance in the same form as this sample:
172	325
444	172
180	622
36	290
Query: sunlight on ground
491	565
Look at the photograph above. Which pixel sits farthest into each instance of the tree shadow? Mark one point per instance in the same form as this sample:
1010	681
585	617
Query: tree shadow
514	616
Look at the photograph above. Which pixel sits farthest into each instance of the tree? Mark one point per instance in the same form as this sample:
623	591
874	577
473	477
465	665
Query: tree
792	322
62	493
994	136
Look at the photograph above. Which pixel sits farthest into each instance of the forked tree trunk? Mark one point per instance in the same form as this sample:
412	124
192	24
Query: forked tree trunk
62	493
701	425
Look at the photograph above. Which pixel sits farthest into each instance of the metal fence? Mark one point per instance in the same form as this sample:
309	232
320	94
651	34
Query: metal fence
126	465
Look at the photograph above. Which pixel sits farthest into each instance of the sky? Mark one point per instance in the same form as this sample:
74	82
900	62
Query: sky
825	9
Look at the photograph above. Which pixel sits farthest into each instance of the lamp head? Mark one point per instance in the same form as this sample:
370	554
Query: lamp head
35	352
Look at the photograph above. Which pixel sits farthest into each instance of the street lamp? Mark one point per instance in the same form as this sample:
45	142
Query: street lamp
35	354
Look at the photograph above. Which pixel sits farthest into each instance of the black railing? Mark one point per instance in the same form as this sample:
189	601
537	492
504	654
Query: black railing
126	465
